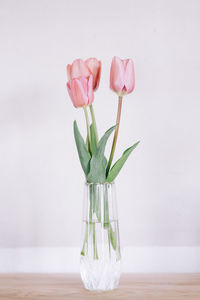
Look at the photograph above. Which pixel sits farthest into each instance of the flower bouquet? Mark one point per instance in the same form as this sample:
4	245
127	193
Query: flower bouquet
100	253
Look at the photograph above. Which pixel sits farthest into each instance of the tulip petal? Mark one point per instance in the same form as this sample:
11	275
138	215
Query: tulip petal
92	64
69	88
79	92
90	90
125	62
98	77
129	76
79	69
69	72
117	75
95	68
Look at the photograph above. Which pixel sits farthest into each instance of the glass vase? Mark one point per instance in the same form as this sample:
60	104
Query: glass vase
100	261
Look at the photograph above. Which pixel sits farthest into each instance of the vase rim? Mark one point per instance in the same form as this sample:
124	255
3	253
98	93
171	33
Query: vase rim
96	183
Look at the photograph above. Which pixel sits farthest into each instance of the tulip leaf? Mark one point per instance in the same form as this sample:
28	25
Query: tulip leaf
119	163
93	139
83	152
98	162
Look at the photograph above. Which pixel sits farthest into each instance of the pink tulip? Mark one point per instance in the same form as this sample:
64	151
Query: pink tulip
81	91
122	79
77	69
95	68
80	68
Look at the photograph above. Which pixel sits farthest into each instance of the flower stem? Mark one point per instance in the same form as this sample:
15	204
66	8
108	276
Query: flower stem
94	123
109	242
88	129
115	135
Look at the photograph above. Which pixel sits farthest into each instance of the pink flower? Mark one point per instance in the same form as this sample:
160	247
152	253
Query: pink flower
95	68
122	79
77	69
81	91
80	68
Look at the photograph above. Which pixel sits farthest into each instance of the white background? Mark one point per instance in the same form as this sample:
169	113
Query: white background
41	181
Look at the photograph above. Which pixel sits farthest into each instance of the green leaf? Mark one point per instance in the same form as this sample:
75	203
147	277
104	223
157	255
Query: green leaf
93	139
119	163
98	161
83	152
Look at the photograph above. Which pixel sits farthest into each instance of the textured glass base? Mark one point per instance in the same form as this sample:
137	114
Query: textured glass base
99	275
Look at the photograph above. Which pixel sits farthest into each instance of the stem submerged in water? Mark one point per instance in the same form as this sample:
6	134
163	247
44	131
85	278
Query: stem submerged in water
91	221
99	215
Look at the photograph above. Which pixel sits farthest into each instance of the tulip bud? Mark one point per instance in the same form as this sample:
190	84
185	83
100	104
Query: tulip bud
122	79
95	68
80	68
77	69
81	91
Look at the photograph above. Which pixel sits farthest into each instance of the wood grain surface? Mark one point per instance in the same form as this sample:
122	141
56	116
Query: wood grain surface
132	286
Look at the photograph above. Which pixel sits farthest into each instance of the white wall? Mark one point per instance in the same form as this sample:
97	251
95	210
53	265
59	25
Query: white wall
41	181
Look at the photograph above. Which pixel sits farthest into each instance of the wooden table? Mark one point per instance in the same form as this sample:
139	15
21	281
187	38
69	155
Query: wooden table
132	286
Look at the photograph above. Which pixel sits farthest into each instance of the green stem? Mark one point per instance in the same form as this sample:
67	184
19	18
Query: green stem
94	123
92	223
91	208
93	226
85	240
88	128
95	254
109	241
118	253
115	135
106	208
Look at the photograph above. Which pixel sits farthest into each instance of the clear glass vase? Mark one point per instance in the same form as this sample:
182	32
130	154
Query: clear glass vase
100	262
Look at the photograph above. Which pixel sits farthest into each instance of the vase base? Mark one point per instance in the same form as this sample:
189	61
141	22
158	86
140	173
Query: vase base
100	275
100	290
